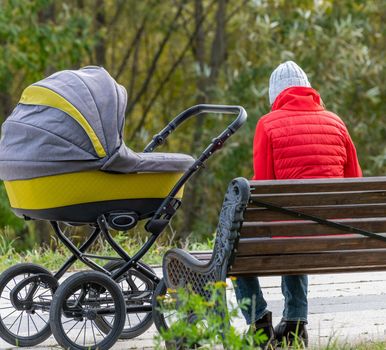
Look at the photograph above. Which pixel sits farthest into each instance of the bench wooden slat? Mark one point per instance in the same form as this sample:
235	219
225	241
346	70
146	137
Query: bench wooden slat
309	263
307	228
315	271
265	246
321	198
326	212
319	185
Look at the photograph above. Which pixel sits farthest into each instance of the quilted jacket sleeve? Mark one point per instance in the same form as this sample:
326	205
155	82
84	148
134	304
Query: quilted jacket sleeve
352	167
262	155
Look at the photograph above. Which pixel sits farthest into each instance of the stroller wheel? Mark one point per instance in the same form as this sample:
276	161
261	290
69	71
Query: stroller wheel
24	315
162	318
164	315
78	302
137	290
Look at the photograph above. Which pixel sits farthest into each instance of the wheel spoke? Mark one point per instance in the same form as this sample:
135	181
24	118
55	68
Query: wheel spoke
21	318
25	291
36	290
128	318
44	294
79	333
41	318
85	330
9	314
99	331
32	319
15	321
71	320
72	326
93	332
6	307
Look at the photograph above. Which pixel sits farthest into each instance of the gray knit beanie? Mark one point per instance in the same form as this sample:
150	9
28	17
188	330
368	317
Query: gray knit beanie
284	76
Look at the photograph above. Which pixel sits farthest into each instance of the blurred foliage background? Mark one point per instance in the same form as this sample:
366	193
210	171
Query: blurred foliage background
172	54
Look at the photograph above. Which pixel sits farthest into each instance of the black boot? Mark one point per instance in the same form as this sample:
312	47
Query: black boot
264	323
289	333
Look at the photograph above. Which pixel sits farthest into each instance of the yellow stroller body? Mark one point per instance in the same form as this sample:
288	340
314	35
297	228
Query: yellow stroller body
73	197
63	159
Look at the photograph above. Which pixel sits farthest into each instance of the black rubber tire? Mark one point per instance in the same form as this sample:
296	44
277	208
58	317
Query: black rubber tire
71	285
129	332
158	316
11	338
161	323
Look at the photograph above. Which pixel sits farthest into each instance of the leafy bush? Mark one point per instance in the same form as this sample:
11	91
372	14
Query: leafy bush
205	322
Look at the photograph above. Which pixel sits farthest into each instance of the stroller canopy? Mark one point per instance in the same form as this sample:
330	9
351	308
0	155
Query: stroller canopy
73	121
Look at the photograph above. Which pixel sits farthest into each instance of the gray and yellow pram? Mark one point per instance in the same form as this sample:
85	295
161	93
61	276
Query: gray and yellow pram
63	159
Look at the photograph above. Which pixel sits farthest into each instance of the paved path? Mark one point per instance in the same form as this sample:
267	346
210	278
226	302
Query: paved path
349	307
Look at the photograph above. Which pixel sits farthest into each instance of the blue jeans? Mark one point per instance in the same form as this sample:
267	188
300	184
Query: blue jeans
294	289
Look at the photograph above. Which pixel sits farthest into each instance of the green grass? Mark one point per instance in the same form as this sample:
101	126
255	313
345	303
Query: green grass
52	257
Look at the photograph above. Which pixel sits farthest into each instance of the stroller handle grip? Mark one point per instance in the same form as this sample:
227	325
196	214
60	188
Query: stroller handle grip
193	111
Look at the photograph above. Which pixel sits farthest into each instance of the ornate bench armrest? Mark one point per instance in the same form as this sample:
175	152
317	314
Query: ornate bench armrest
181	269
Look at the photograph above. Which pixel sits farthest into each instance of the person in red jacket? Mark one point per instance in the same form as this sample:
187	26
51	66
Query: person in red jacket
298	139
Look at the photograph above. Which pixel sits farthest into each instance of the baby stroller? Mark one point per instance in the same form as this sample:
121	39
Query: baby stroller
63	159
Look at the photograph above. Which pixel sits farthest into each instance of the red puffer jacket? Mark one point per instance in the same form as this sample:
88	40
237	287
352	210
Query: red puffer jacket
299	139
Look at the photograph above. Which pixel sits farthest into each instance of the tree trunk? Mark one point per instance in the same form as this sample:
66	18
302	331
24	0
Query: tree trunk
194	210
191	193
5	105
47	15
100	22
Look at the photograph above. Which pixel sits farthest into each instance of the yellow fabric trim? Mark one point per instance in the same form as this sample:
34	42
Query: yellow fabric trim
39	95
87	187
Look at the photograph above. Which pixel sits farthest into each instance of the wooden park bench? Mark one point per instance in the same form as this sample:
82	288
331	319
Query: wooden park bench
290	227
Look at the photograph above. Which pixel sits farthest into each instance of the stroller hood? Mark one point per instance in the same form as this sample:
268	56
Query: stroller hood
73	121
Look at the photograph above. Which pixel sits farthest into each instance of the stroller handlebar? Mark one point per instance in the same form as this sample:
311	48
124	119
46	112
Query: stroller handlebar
193	111
168	207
